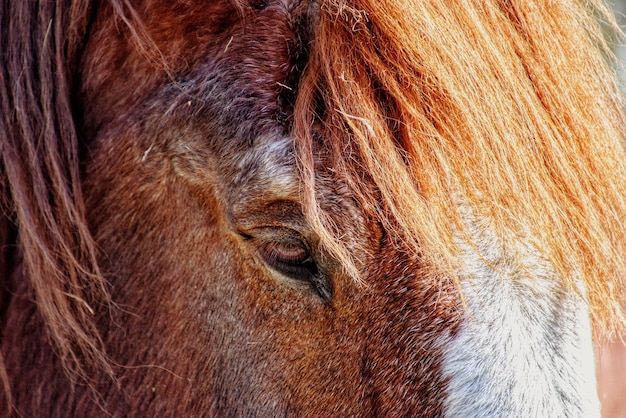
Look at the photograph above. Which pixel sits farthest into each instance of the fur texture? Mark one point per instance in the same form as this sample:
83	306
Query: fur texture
260	208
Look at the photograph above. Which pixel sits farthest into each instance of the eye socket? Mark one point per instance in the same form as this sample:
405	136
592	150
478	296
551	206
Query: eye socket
285	251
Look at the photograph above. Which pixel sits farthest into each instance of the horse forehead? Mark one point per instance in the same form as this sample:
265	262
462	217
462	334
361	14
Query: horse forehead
268	168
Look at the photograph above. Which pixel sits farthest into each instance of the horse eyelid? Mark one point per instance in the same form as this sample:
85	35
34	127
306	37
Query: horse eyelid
288	258
286	253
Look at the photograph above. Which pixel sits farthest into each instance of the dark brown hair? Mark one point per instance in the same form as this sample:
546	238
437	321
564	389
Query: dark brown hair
40	175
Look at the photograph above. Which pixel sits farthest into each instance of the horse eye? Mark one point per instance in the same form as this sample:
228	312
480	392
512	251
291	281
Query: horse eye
285	255
289	256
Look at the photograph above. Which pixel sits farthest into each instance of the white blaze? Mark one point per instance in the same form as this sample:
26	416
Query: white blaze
524	348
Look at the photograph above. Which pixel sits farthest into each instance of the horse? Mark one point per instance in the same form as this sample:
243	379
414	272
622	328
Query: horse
308	207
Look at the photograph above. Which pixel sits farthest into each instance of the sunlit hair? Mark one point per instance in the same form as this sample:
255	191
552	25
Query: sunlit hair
505	110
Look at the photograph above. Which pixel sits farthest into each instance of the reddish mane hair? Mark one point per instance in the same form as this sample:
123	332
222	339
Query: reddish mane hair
41	201
510	115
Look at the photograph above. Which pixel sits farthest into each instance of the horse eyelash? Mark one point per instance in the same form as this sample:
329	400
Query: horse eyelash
272	253
302	269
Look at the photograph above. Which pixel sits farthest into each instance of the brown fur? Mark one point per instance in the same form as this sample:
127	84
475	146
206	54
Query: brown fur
126	287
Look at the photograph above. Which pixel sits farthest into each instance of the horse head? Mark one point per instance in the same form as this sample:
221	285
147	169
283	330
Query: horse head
309	208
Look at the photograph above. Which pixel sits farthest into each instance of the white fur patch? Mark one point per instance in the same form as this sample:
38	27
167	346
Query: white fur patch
524	348
269	167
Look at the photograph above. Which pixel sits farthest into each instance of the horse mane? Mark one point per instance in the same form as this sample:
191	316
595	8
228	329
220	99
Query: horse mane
43	225
491	110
